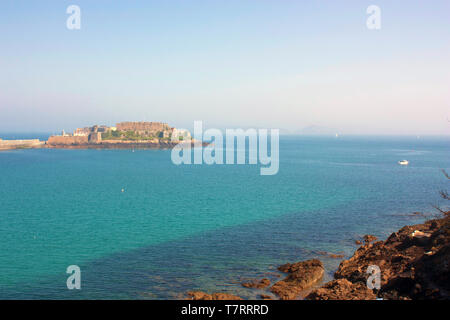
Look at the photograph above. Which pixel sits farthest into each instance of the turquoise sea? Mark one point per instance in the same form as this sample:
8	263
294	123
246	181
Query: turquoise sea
179	228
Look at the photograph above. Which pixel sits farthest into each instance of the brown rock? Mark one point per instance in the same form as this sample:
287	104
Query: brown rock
368	238
342	289
413	262
302	275
225	296
199	295
261	284
330	255
336	256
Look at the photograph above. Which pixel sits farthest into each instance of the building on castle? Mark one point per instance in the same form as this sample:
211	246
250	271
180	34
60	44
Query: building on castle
156	129
81	132
86	131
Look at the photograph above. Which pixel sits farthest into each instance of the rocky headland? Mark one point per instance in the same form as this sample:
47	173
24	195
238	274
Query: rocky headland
414	263
125	135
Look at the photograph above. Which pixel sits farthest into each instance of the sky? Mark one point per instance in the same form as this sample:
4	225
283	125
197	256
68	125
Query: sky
232	63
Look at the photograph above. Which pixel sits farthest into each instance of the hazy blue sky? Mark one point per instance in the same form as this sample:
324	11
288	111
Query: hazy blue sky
277	64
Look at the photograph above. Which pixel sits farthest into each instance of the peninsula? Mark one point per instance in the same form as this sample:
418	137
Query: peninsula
125	135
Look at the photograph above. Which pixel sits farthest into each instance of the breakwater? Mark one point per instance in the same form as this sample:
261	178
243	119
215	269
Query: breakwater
21	144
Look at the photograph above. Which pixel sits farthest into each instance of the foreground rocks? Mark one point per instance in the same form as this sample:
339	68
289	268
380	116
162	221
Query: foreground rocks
261	284
368	238
330	255
414	264
302	275
199	295
342	289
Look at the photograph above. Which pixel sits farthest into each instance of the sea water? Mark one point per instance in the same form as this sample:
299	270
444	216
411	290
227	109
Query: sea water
140	227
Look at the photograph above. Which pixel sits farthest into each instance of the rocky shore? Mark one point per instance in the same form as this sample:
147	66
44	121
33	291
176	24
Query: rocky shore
116	145
414	263
36	144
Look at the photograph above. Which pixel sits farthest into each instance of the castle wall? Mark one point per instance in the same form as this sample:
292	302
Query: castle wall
95	137
149	127
70	140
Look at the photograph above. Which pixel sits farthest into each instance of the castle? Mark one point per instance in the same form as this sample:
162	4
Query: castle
123	135
93	135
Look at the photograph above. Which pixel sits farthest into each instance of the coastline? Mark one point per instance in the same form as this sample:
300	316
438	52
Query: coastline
37	144
125	135
413	264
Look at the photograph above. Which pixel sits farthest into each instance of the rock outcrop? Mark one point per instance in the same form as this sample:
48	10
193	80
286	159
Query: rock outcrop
414	264
258	284
342	289
330	255
302	275
368	238
200	295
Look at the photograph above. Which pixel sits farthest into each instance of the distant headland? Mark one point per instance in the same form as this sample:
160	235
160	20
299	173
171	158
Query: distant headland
125	135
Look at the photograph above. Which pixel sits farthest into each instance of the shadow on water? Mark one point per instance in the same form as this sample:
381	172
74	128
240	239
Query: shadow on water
215	260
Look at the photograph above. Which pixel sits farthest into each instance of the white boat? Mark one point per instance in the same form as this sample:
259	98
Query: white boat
403	162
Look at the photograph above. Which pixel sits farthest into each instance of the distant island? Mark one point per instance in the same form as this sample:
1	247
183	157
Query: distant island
125	135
